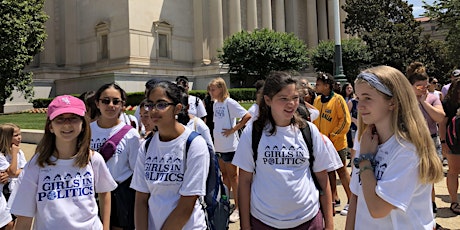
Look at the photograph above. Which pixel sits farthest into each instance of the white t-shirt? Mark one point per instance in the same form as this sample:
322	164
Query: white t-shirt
224	120
62	196
166	176
121	164
5	216
198	125
397	183
197	111
254	111
333	154
283	194
127	118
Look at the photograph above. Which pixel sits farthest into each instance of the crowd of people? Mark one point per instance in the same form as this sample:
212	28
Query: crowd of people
100	168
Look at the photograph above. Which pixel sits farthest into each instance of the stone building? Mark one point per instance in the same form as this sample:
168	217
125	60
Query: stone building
92	42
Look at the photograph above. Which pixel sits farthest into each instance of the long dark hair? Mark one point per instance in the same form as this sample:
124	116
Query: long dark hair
274	83
451	101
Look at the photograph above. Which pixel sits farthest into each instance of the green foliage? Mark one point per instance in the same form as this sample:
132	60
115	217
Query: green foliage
447	14
22	33
435	56
388	28
262	51
355	56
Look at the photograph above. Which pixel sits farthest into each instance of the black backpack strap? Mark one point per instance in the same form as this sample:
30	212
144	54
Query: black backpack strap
148	139
306	133
256	135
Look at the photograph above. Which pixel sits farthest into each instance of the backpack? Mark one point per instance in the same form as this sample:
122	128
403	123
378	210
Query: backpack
453	134
306	134
215	203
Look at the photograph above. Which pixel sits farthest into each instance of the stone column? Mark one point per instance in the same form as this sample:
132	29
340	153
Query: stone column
251	14
330	18
235	16
48	55
217	31
70	34
322	20
267	14
312	24
280	25
201	52
343	15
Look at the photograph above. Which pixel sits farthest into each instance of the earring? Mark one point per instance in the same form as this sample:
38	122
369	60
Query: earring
176	116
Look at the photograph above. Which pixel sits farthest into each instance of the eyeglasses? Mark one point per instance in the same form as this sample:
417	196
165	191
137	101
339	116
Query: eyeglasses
63	120
107	101
160	106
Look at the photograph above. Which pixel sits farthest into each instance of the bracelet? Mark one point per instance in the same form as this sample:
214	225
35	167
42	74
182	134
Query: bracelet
365	168
443	141
367	156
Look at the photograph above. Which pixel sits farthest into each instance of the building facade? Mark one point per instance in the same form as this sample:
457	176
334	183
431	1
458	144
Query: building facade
92	42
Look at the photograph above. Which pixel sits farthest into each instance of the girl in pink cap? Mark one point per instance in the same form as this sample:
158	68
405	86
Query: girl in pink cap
58	185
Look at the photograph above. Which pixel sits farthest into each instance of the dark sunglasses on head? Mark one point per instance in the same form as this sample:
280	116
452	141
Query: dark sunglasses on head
158	106
107	101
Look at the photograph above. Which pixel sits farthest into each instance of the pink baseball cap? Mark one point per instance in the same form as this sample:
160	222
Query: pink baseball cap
66	104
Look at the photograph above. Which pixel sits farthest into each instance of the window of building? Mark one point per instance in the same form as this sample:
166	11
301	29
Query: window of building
102	34
162	35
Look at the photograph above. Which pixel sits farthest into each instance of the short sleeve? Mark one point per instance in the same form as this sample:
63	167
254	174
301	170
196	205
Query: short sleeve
28	182
103	180
235	109
244	155
138	182
197	168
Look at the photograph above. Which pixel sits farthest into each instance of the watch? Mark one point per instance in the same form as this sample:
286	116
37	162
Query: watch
361	157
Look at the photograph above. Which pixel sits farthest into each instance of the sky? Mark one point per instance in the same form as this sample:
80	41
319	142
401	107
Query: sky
418	9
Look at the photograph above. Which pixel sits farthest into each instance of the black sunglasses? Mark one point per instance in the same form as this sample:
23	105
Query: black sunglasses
107	101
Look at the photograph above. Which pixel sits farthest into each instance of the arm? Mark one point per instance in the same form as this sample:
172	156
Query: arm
326	199
436	112
141	211
351	216
377	207
442	135
344	120
105	207
13	169
239	125
181	214
23	223
244	195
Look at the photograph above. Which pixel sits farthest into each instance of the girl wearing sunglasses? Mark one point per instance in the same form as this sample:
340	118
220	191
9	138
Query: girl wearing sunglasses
110	99
167	184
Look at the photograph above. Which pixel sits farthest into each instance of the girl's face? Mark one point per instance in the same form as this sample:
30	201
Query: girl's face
322	87
420	87
110	103
284	104
433	85
349	90
67	126
373	107
216	92
162	111
16	136
145	119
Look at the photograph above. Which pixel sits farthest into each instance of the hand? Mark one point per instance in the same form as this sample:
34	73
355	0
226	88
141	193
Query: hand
369	140
4	177
14	149
227	132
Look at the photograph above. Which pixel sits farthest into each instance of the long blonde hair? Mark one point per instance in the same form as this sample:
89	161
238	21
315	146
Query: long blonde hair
6	137
405	121
220	83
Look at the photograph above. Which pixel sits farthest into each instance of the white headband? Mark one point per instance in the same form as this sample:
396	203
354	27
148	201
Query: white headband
375	82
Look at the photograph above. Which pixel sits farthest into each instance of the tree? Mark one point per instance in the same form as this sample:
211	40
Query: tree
22	33
262	51
355	57
388	28
447	14
435	56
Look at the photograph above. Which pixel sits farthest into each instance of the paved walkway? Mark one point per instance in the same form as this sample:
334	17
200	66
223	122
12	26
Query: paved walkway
445	217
